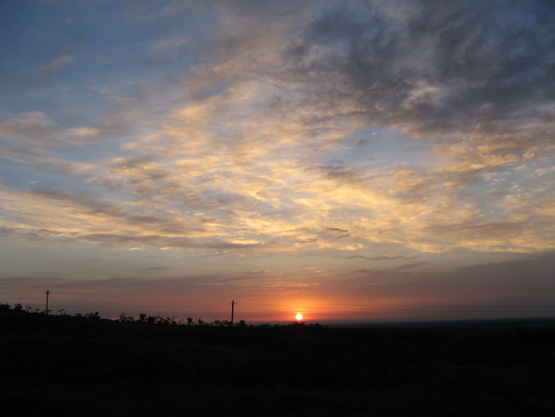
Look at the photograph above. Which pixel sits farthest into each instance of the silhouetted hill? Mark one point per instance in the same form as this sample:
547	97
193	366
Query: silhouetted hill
87	366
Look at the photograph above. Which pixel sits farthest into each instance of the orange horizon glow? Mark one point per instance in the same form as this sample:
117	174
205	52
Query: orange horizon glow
258	306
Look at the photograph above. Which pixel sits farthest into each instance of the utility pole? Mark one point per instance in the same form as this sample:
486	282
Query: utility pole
232	307
47	294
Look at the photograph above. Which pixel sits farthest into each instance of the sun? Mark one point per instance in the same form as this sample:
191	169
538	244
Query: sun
299	316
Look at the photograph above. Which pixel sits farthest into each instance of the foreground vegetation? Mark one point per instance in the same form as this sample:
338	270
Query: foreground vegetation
88	366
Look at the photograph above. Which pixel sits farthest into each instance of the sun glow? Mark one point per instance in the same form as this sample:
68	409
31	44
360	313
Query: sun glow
299	316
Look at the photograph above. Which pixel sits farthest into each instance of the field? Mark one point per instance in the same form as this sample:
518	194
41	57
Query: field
94	367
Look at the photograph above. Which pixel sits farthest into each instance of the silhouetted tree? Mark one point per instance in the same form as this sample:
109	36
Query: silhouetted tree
125	319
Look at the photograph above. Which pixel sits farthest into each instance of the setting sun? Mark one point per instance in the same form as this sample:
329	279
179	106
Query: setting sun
299	316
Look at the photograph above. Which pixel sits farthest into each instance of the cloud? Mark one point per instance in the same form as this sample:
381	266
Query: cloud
40	130
378	258
259	140
438	70
56	63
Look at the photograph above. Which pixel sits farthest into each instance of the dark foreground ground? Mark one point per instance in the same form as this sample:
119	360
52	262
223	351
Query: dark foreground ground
71	366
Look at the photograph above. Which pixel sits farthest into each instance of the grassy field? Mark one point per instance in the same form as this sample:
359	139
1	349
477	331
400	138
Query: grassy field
93	367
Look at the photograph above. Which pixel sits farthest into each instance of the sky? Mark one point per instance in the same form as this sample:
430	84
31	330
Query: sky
347	160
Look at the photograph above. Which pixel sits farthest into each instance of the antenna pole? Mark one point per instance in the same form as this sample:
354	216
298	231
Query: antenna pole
47	294
232	308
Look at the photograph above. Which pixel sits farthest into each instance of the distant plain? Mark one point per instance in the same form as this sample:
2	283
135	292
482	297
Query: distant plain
92	366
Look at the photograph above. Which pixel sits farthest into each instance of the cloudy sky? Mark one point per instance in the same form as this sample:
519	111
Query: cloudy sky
371	160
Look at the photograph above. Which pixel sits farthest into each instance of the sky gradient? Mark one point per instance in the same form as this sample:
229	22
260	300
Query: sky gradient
360	160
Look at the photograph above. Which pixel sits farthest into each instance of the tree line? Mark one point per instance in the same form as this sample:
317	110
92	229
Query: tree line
143	318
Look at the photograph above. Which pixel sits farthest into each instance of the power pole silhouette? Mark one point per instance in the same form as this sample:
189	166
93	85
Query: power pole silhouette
232	307
47	294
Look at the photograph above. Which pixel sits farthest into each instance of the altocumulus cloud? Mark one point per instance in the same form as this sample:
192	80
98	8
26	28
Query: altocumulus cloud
263	141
